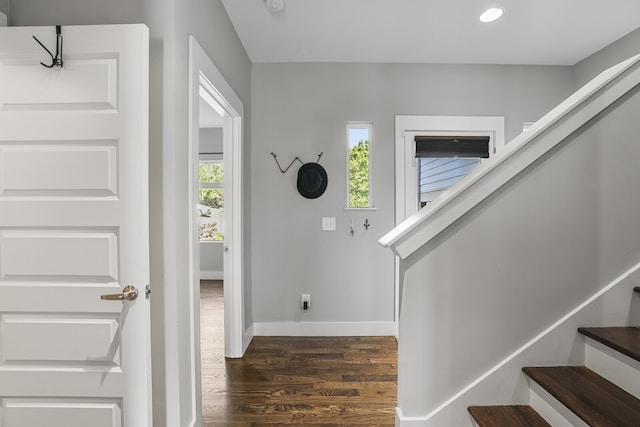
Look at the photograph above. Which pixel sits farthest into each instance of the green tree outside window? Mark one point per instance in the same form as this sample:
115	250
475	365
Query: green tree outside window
359	175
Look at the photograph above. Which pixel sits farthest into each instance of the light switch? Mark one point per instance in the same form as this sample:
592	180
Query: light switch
329	223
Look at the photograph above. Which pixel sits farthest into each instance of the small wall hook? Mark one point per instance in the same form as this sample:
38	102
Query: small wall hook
56	61
352	224
366	224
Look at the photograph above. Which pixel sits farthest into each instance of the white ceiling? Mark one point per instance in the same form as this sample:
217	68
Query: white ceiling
558	32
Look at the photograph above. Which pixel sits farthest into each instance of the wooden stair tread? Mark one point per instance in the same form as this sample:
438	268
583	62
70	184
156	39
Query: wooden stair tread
594	399
626	340
507	416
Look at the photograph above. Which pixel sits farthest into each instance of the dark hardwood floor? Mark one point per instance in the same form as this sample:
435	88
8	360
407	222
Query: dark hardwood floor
345	381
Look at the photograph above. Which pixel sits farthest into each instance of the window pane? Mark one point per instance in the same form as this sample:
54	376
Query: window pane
359	167
211	171
436	174
211	201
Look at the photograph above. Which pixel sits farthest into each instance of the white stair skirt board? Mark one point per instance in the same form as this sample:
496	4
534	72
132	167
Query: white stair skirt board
618	368
404	421
551	409
324	329
211	275
554	343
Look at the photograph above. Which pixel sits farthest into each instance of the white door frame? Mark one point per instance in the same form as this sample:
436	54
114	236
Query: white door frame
406	181
204	76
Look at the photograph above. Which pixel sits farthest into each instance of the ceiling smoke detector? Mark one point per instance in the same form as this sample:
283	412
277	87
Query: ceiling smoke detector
275	6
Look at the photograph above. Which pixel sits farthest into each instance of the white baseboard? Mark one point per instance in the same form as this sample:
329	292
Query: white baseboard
403	421
3	20
211	275
324	329
246	338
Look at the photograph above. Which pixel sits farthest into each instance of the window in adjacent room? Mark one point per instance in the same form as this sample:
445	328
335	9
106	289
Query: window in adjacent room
360	165
211	198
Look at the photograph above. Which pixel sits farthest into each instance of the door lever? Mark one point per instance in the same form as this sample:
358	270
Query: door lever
129	293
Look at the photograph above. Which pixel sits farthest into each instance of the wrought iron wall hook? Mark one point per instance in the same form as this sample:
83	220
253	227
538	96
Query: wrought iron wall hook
292	162
56	61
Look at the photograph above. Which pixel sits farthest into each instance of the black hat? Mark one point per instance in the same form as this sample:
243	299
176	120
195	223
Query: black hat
312	180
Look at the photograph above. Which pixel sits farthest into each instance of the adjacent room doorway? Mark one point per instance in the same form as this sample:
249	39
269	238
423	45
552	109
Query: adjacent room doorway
208	88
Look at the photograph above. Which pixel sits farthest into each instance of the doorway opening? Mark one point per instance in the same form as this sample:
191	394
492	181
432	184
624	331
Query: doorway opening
211	98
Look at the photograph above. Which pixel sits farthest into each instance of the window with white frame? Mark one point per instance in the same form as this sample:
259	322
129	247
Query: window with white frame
211	198
360	165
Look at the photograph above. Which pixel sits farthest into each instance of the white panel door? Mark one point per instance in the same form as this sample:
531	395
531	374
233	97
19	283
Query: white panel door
74	227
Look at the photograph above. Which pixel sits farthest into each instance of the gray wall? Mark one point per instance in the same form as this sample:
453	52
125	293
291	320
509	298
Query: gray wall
302	110
208	22
564	228
76	12
170	23
211	257
4	7
616	52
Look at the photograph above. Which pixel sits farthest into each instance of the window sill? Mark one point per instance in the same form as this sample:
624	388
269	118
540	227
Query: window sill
361	209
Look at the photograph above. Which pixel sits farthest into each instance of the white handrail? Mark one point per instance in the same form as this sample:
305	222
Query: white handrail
550	130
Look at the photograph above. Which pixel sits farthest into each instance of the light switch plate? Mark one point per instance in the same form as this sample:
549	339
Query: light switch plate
329	223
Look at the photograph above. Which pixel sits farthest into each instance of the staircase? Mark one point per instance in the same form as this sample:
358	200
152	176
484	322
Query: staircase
605	392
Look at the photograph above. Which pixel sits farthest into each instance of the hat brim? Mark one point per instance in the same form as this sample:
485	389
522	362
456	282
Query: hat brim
312	180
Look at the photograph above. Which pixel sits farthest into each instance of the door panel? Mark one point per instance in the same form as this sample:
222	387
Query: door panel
80	255
82	340
31	412
86	84
73	227
90	170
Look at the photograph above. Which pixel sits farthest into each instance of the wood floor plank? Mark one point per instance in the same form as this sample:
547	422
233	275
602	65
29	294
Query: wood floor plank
328	381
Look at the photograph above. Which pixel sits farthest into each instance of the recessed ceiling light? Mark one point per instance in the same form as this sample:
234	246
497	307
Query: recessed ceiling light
492	14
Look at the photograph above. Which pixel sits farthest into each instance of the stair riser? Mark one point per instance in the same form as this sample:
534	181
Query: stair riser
613	365
551	409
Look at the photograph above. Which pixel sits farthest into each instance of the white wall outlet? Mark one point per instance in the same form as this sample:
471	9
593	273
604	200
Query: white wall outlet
305	298
329	223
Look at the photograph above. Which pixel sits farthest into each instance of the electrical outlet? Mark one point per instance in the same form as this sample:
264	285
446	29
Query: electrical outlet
305	298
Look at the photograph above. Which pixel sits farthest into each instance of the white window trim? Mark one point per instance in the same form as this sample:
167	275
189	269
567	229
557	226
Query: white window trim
369	127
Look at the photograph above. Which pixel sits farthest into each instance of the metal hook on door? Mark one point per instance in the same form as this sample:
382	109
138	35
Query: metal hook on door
56	61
